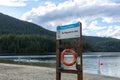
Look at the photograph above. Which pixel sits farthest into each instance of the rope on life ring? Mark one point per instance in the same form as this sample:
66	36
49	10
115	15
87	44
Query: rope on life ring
74	57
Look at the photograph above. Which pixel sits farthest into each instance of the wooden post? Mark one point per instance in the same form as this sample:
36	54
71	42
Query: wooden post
79	51
58	61
79	64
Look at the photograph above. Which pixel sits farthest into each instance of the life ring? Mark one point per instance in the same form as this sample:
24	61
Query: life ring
74	57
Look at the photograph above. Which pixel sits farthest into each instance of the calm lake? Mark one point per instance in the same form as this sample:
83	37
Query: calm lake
110	60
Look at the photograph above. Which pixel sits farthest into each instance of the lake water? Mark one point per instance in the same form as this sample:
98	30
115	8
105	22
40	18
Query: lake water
110	67
110	60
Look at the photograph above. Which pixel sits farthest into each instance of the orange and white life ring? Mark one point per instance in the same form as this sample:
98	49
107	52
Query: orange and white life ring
74	57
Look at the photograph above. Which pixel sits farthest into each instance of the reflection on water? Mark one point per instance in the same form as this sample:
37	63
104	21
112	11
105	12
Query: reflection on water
110	67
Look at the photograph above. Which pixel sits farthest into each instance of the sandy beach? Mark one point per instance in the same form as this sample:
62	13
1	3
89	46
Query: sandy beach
23	72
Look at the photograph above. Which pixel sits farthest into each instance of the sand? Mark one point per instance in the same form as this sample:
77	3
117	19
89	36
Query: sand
23	72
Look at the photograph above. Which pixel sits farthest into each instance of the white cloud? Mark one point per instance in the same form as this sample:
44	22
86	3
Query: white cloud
20	0
15	3
94	26
50	15
12	3
112	31
115	32
111	19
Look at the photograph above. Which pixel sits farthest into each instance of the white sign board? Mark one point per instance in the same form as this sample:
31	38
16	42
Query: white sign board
68	31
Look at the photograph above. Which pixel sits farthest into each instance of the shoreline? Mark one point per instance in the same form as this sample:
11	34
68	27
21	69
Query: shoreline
27	72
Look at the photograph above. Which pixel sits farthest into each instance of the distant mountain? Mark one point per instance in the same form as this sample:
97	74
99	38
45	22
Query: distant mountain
96	39
102	44
10	25
17	36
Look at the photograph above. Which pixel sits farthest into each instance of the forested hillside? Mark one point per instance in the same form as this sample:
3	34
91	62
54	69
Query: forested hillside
94	40
37	44
101	44
10	25
26	44
108	46
23	38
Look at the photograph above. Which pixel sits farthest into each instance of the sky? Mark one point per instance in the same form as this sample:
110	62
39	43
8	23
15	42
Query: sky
98	17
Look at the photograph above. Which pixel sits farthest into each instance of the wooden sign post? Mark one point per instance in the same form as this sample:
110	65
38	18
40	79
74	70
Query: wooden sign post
66	32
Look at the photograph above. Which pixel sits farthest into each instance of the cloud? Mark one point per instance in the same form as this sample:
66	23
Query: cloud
112	31
94	26
21	0
116	33
12	3
49	15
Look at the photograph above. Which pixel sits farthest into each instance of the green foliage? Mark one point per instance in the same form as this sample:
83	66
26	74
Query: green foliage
23	38
87	47
10	25
108	46
95	40
37	44
27	44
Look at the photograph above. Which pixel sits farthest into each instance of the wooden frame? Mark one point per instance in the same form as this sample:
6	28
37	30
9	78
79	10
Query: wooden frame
78	47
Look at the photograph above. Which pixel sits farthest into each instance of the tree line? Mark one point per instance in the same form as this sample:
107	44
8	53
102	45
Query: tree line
13	44
26	44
